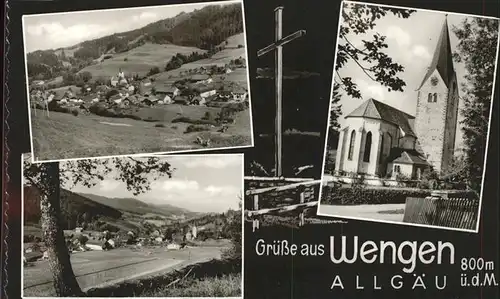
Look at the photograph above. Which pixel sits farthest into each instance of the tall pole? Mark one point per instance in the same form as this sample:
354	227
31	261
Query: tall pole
278	69
279	42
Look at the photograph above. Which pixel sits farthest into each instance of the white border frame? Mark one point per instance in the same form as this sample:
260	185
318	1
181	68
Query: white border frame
252	144
164	156
324	183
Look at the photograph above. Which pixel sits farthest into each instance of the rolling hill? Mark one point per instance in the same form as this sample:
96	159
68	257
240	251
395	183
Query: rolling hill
74	207
205	29
138	207
121	213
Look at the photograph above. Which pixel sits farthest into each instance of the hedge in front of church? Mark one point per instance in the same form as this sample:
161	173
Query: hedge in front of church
364	195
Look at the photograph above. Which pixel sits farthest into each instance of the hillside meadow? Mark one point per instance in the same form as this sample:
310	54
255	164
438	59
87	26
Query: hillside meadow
63	136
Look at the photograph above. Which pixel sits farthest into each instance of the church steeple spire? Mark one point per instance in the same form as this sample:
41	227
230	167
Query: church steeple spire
442	59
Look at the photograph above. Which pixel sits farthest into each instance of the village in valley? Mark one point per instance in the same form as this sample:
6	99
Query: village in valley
191	96
116	239
122	91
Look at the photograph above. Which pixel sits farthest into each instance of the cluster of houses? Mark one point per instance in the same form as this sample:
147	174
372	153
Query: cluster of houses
199	89
106	240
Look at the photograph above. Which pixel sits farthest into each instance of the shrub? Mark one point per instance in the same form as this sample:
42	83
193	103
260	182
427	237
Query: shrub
197	128
109	227
83	239
111	93
125	59
101	110
184	119
235	107
74	112
358	195
28	238
228	111
160	126
36	247
153	71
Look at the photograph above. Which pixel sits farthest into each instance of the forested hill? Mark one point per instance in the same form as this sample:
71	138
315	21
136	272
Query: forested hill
205	28
139	207
74	208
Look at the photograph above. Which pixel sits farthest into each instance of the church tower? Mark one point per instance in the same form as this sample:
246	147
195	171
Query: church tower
437	106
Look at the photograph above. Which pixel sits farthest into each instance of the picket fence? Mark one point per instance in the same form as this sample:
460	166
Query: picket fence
276	196
444	211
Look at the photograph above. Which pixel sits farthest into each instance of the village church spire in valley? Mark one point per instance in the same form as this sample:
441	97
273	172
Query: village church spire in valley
379	140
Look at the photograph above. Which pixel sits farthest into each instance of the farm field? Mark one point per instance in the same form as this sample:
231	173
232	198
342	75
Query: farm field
102	268
221	58
138	60
62	135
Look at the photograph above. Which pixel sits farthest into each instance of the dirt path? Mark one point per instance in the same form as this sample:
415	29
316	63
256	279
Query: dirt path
115	124
386	212
102	268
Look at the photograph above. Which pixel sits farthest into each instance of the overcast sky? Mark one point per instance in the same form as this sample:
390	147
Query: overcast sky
52	31
209	183
411	43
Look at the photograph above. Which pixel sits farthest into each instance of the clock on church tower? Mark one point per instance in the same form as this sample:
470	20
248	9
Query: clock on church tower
434	81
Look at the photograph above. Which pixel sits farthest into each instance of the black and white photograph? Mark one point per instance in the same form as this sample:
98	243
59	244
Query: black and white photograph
283	170
145	80
409	117
150	226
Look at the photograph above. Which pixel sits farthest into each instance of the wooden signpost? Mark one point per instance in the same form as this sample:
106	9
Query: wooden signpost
279	42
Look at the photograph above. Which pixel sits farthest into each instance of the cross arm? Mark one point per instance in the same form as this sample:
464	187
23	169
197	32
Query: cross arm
281	42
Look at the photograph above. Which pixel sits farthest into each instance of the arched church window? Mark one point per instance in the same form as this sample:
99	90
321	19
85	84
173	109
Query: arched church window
351	145
429	97
368	147
435	97
382	146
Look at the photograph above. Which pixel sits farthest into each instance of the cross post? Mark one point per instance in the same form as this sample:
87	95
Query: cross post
279	42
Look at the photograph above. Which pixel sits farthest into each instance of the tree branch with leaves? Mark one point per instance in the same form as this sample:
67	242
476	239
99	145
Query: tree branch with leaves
369	56
358	19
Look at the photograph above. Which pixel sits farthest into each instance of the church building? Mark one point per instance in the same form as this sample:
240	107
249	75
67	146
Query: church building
380	141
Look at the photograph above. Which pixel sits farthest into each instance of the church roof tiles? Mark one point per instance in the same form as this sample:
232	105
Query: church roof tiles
378	110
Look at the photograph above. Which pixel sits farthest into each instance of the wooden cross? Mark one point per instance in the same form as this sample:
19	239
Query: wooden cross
279	42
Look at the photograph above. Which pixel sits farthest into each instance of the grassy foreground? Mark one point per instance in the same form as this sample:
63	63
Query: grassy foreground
213	278
223	286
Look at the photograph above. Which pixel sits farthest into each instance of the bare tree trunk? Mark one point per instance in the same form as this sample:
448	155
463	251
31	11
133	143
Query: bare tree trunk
65	282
